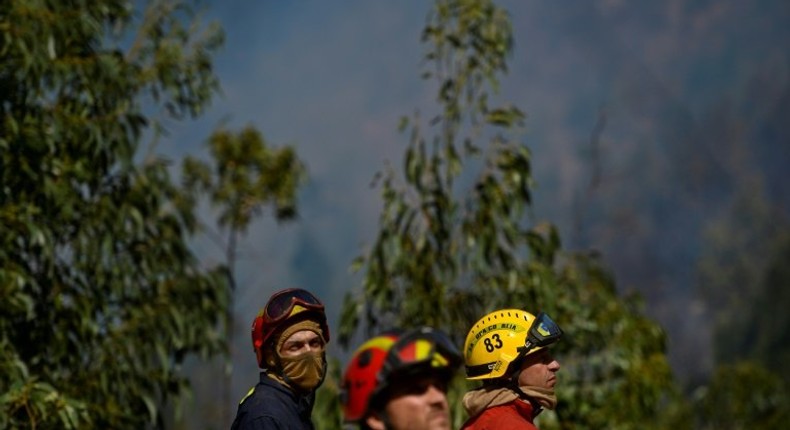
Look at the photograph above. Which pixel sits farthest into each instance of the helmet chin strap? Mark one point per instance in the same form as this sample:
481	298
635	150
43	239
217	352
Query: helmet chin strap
323	371
383	417
513	385
278	369
278	365
514	369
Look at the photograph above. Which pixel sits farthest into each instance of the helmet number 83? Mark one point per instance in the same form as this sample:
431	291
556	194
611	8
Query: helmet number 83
491	345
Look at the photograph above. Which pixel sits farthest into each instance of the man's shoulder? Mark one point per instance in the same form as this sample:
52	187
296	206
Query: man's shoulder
271	407
262	422
262	409
502	416
264	397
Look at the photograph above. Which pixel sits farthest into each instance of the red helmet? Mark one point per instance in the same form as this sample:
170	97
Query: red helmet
282	307
388	357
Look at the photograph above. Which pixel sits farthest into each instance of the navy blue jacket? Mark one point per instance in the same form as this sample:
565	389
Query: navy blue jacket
273	406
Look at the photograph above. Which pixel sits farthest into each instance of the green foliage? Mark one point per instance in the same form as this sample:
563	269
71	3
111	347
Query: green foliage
743	273
102	298
244	176
769	320
456	240
327	413
744	396
615	372
429	239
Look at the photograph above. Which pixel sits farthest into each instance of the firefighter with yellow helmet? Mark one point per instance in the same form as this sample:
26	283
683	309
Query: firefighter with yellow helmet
508	351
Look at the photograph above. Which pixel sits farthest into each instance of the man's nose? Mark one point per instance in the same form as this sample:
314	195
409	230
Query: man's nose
554	365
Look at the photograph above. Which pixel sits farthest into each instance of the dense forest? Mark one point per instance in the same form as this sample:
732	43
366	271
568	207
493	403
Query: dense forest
112	314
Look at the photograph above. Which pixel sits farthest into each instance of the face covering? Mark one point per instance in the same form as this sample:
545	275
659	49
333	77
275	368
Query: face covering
304	371
544	396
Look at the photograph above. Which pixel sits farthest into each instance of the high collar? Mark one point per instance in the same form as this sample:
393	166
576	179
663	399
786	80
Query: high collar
527	409
306	399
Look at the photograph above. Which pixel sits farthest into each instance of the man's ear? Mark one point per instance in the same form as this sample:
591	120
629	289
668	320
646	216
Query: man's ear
269	357
375	422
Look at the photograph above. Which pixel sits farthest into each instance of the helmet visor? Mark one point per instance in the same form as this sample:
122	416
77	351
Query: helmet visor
543	332
421	349
281	304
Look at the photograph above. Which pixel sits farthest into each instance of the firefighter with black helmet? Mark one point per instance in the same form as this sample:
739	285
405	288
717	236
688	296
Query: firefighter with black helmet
398	380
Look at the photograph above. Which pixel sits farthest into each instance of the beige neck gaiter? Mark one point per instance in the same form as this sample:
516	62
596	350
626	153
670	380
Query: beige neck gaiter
476	401
544	396
305	371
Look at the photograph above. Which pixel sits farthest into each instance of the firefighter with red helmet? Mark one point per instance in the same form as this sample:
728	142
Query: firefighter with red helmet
289	337
398	380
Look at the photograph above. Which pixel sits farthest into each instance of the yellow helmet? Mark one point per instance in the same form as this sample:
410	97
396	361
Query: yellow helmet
498	341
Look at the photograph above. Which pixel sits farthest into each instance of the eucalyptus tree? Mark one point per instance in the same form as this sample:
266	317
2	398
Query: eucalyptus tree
243	175
457	238
102	299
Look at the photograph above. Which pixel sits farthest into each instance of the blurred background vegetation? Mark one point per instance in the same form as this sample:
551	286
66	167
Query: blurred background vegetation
108	312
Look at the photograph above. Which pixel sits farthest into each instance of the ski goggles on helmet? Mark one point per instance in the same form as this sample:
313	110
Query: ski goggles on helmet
421	349
543	332
281	305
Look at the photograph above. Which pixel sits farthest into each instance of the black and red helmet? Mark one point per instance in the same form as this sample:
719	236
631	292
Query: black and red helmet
391	356
283	307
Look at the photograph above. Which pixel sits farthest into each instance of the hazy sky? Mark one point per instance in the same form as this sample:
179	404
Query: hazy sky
333	78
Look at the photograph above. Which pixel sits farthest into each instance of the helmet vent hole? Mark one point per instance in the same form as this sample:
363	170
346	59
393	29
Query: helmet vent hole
364	358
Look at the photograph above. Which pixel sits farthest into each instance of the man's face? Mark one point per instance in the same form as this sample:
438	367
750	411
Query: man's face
417	403
539	370
300	342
